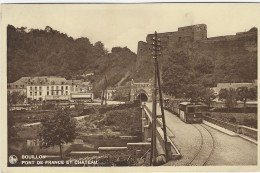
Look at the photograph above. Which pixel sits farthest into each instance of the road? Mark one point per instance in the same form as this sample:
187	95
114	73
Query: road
201	145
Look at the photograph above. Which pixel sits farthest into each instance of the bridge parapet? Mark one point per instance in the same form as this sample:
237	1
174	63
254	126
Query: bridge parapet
146	126
244	130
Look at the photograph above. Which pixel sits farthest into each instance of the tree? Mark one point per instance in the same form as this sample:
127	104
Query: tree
14	98
194	92
245	93
208	96
229	95
176	75
101	48
58	129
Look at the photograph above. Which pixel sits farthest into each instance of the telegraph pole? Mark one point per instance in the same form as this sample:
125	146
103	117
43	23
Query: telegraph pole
157	52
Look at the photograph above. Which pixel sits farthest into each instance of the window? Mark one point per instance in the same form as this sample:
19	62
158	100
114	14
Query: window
61	87
191	109
35	93
57	87
52	93
47	87
47	93
57	92
30	88
30	93
40	99
62	93
40	93
36	88
66	87
52	87
40	87
66	92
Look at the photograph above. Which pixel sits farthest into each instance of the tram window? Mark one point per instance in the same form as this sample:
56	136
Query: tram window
198	109
191	109
182	107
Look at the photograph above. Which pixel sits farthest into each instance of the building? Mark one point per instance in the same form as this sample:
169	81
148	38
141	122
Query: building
51	89
81	90
219	103
18	86
80	85
233	85
108	94
48	88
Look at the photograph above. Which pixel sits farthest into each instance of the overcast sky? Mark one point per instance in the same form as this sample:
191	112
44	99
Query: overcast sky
126	24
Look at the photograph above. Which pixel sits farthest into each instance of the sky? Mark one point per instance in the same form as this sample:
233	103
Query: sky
125	24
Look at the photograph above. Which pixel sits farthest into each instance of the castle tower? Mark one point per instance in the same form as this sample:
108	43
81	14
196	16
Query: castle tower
197	32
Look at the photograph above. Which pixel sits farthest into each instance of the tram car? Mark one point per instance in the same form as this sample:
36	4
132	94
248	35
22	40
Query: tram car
189	112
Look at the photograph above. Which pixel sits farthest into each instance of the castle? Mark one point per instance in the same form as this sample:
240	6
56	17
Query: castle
193	39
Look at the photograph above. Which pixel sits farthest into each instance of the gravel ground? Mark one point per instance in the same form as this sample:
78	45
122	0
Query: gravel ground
228	150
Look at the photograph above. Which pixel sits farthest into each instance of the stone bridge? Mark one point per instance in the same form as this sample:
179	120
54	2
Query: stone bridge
141	91
173	152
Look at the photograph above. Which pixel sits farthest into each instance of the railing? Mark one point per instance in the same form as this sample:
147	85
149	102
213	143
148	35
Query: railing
173	152
226	125
248	131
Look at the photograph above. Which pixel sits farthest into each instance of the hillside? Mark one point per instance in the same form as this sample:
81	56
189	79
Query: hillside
37	52
189	64
189	61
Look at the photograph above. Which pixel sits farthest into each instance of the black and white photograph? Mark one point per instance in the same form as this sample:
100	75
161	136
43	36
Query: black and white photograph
166	85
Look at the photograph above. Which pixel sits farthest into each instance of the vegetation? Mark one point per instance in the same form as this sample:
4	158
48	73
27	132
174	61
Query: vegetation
186	76
121	119
229	96
247	119
14	98
49	52
244	93
58	129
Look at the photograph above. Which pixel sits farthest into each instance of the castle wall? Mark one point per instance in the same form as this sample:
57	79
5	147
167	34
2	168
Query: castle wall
193	41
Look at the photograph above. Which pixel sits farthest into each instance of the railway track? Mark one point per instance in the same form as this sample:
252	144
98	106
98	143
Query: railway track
206	148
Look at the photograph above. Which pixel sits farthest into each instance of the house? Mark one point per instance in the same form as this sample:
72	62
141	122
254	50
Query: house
52	89
48	88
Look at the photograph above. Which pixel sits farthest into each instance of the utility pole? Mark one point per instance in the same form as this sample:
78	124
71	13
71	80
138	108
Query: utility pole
156	53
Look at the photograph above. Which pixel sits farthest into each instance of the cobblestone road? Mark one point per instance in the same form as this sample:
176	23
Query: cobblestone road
228	150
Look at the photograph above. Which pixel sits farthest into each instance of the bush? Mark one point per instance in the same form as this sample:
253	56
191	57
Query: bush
47	106
250	122
232	120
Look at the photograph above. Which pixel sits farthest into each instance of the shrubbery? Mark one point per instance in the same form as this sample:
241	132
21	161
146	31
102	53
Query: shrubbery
128	121
250	122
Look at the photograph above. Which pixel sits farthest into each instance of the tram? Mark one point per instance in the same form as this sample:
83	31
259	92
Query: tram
188	112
